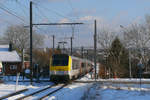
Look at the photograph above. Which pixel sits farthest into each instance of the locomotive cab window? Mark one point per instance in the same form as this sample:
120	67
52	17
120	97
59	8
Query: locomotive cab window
60	60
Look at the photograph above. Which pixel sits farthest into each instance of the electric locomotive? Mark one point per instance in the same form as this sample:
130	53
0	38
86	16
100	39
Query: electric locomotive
64	67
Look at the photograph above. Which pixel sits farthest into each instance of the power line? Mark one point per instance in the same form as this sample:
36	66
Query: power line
38	10
10	12
73	10
41	12
21	5
39	15
56	13
28	8
41	29
4	9
69	2
9	9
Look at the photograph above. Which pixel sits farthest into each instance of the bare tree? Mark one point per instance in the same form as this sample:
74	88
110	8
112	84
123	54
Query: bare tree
105	38
138	36
20	36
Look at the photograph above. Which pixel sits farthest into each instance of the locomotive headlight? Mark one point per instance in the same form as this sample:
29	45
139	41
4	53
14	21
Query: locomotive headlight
65	72
52	72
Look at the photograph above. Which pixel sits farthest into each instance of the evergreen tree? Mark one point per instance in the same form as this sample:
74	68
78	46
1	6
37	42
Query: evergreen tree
118	59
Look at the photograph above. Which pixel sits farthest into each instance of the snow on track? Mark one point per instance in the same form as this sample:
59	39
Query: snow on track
32	89
106	89
73	91
9	88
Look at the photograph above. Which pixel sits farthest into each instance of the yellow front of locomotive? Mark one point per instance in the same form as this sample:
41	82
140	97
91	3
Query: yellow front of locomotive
60	67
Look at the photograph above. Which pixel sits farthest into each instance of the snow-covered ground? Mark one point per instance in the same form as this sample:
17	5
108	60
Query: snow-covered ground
87	91
99	93
74	91
8	88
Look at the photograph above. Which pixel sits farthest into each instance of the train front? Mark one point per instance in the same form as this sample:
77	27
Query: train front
60	67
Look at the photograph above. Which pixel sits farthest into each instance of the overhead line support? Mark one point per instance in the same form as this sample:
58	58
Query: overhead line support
31	26
57	23
95	47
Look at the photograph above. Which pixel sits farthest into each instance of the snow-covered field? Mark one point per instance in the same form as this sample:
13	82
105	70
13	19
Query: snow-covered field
88	91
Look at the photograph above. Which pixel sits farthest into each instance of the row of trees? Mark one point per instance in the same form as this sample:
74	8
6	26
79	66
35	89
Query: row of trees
134	39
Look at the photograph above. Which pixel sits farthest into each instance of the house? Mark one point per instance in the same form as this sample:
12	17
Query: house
11	62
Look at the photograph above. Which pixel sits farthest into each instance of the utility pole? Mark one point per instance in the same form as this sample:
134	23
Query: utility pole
82	49
71	44
72	38
23	63
95	46
53	44
31	25
130	64
87	54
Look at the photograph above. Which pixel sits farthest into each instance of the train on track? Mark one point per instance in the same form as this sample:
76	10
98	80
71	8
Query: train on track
64	67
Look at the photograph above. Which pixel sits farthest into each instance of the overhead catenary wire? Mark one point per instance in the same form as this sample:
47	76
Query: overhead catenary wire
55	12
13	14
73	10
47	9
69	2
42	13
58	14
38	15
49	35
72	26
21	7
4	9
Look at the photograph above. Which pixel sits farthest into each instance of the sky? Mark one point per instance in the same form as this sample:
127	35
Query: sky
108	13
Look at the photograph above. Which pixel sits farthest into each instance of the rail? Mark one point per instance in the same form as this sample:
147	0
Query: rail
12	94
36	92
50	93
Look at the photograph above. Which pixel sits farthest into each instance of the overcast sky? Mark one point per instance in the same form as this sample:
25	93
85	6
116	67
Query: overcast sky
110	13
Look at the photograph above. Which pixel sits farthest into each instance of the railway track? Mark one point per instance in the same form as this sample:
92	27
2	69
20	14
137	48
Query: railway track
35	95
13	94
114	82
35	92
38	94
51	92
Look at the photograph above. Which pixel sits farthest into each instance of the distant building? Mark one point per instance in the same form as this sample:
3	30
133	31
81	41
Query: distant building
10	59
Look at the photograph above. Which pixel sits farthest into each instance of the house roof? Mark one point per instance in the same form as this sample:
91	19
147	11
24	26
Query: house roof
4	47
8	56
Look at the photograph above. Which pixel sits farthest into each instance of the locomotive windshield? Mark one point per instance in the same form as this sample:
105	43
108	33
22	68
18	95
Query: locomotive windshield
60	60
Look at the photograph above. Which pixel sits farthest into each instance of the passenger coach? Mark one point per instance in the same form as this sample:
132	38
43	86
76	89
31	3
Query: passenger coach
64	67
